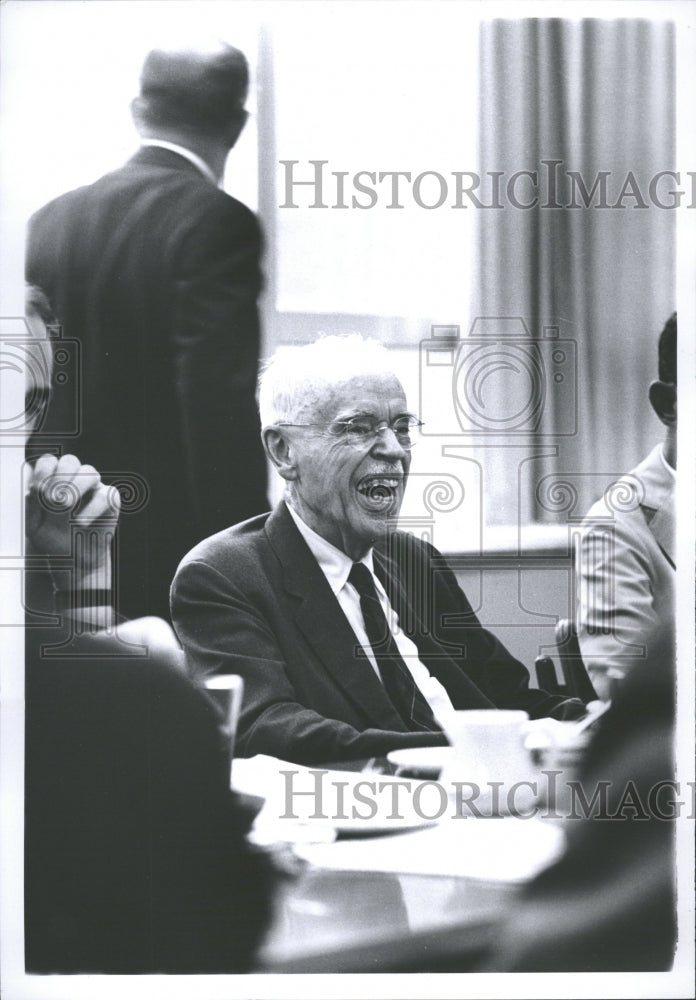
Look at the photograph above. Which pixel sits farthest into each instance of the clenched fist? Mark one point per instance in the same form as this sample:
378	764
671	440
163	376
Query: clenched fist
69	511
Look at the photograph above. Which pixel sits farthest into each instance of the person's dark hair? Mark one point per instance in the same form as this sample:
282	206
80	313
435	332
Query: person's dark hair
200	91
667	351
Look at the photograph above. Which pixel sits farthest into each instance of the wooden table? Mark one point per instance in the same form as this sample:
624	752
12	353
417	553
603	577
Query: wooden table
330	921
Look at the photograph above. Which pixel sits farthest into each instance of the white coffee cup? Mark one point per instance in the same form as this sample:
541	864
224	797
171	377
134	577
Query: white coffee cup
489	753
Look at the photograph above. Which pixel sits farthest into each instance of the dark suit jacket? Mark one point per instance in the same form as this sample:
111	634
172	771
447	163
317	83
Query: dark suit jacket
155	272
135	858
253	600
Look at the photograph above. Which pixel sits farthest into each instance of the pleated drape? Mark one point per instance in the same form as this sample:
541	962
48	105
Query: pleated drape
595	99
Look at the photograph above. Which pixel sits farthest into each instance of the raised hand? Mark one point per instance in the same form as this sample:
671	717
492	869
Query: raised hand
70	512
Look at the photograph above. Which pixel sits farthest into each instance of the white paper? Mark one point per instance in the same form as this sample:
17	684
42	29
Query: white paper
499	850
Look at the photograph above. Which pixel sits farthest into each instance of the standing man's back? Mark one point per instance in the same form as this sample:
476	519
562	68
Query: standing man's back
155	271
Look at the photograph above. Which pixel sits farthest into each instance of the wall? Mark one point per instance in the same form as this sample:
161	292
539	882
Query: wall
520	600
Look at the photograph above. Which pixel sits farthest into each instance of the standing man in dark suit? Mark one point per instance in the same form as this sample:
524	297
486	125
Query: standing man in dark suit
155	272
353	638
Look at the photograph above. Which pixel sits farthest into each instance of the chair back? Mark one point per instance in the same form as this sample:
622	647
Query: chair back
577	680
547	678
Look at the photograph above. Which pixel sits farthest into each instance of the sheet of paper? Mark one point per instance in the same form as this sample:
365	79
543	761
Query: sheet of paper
315	803
508	850
364	814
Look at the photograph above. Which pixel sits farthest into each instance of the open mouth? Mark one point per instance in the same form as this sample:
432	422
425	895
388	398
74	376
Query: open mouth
379	493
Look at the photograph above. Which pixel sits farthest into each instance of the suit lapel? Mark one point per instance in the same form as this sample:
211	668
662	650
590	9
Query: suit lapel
319	617
412	608
662	524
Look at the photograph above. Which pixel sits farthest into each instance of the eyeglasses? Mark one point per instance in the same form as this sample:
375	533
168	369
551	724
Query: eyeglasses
363	430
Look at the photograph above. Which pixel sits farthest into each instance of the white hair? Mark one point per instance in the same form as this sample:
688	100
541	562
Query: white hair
290	374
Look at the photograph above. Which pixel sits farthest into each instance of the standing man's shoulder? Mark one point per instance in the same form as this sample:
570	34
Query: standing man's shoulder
184	188
170	175
221	210
58	206
209	225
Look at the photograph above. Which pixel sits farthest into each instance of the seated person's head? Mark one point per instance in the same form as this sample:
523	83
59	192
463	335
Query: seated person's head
663	392
337	429
40	321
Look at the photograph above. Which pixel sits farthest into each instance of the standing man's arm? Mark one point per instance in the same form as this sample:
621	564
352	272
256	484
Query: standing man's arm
216	350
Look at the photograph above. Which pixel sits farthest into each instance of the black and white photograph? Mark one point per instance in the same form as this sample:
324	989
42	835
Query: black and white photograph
346	569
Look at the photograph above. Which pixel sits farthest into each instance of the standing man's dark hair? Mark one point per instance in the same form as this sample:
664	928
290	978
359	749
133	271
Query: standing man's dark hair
192	87
154	274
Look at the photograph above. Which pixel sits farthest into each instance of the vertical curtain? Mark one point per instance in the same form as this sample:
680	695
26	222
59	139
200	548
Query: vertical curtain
598	96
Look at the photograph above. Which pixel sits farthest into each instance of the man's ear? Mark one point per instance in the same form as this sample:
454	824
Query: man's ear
136	110
280	452
663	398
235	127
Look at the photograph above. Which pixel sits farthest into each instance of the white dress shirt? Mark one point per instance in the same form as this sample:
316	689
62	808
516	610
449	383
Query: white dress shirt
336	566
187	154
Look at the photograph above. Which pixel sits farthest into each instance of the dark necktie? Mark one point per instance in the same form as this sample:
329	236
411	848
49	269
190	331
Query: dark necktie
396	677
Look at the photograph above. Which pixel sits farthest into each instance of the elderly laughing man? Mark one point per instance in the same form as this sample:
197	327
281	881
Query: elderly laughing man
353	638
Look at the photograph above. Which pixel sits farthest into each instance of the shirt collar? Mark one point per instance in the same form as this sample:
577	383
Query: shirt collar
188	154
665	463
334	563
